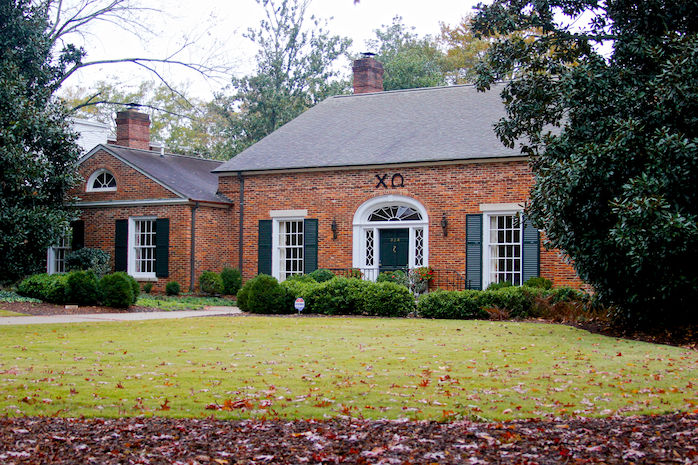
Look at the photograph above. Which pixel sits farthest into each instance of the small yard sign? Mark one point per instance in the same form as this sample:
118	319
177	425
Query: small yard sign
300	304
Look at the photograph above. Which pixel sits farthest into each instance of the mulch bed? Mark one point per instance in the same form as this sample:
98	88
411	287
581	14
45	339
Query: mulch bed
42	308
640	439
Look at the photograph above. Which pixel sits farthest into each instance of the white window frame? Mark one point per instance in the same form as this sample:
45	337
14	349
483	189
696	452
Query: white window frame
91	181
361	225
53	255
132	248
276	269
497	210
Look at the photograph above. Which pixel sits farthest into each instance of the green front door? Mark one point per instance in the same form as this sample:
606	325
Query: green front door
394	249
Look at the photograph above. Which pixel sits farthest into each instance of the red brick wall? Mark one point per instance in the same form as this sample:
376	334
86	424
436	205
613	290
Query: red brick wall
130	184
455	190
215	231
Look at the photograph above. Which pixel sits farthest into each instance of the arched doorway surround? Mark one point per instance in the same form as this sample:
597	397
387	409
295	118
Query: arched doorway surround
379	223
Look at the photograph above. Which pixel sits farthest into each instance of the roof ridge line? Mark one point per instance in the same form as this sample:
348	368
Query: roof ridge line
193	157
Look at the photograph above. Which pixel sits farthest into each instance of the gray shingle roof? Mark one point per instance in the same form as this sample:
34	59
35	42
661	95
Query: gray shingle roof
188	176
416	125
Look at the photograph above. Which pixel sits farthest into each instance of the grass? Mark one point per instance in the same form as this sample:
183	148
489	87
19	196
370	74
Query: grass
324	367
4	313
181	302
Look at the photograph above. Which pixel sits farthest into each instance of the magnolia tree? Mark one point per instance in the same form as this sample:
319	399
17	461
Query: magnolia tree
605	99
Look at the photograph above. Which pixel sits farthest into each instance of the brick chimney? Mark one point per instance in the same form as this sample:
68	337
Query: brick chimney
133	129
368	74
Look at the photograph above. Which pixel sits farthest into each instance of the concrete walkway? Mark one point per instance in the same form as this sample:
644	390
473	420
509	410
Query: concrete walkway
136	316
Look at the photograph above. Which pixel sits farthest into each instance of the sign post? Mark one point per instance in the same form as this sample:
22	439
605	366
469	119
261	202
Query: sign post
299	304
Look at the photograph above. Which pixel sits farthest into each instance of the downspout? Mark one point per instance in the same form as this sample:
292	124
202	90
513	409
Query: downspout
192	261
242	218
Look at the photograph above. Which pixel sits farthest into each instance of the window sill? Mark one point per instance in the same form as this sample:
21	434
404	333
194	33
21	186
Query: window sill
145	278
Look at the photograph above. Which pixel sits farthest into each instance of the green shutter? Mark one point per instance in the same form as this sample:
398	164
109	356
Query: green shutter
473	250
264	247
531	251
121	245
162	247
310	231
77	240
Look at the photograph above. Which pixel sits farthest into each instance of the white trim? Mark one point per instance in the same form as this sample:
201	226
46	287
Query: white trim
288	213
135	203
361	224
486	241
275	254
416	164
131	251
501	207
91	180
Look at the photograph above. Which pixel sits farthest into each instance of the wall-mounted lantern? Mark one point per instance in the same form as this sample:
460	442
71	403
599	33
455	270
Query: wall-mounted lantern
334	229
444	224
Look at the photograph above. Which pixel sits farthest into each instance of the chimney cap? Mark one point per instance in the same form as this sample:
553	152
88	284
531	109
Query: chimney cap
367	54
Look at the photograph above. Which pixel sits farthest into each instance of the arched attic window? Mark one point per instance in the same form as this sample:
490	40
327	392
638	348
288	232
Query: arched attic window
101	181
395	213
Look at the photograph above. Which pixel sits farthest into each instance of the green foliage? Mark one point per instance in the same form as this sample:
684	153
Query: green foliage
232	281
49	288
397	277
264	294
408	61
300	288
148	288
211	283
87	258
615	186
172	288
502	285
135	287
295	70
386	299
187	302
338	296
321	275
82	288
9	296
539	281
462	305
303	278
37	148
116	290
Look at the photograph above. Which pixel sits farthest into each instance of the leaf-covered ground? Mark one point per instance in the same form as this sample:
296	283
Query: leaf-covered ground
637	439
295	368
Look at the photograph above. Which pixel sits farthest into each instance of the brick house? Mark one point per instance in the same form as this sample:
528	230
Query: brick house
388	180
159	215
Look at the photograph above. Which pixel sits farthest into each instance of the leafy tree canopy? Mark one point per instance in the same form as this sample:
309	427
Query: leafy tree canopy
614	139
295	70
37	149
408	60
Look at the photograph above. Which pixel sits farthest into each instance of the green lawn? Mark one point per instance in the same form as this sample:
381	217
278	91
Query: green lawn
4	312
324	367
182	302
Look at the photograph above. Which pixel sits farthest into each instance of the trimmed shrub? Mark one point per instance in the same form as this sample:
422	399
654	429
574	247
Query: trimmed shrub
116	290
397	277
211	283
49	288
539	281
567	294
135	287
82	288
321	275
338	296
299	288
148	288
516	300
303	278
263	294
232	281
461	305
87	258
172	288
386	299
495	286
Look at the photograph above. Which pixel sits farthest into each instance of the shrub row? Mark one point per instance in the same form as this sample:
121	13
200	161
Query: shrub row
336	296
227	282
514	301
82	288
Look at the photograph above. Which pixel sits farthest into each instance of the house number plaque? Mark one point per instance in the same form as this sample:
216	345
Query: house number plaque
395	181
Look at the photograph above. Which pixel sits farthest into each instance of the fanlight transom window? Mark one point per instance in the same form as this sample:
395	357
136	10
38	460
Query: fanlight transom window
101	180
395	213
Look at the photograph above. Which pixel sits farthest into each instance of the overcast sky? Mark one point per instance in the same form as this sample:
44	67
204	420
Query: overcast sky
216	27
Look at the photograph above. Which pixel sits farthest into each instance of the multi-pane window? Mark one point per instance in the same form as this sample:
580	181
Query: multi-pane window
57	254
102	180
144	246
370	247
395	213
419	247
290	248
504	249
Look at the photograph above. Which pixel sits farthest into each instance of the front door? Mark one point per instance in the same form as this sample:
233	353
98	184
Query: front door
394	249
